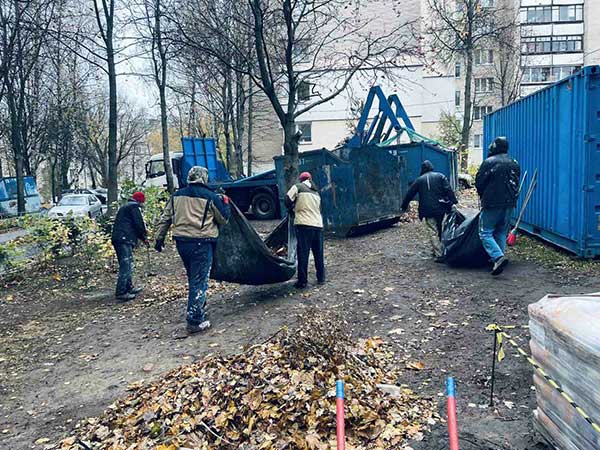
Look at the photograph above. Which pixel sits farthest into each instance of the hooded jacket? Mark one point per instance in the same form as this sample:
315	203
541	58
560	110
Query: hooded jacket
196	213
304	197
129	224
497	179
436	197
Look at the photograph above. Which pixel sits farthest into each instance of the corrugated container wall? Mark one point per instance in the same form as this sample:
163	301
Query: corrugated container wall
557	131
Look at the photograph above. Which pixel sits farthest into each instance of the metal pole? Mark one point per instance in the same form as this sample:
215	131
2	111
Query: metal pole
451	411
339	410
493	367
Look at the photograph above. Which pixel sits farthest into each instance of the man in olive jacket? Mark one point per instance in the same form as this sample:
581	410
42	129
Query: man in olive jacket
497	184
196	212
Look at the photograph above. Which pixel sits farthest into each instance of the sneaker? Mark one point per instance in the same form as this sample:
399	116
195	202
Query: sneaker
439	259
299	285
135	290
193	329
321	282
125	297
499	265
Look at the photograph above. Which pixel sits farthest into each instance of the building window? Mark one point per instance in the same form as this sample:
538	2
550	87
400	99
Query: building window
549	14
484	57
306	129
547	74
456	98
480	111
477	138
457	70
488	3
567	13
483	85
304	89
536	45
567	44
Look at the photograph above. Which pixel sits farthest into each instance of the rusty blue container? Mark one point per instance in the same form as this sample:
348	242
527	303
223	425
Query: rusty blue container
361	188
557	131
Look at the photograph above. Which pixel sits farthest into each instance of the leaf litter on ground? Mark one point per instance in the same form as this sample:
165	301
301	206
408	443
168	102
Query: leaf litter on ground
276	395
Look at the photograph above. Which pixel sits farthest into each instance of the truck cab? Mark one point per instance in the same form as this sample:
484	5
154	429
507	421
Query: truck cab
155	170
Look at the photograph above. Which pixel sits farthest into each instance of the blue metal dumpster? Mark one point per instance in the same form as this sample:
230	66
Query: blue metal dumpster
203	152
557	131
361	188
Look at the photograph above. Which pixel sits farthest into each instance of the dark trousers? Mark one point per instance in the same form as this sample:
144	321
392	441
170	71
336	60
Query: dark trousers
310	238
124	253
197	258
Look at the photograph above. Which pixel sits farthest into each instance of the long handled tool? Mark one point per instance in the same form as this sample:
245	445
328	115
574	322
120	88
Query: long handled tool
148	272
511	239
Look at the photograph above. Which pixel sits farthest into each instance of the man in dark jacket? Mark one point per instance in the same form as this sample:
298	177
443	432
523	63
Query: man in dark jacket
196	212
497	184
128	228
305	200
436	198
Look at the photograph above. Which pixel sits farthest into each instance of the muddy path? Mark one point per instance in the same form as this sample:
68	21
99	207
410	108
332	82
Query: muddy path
67	350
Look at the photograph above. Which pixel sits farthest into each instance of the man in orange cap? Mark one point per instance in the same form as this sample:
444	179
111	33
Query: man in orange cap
305	200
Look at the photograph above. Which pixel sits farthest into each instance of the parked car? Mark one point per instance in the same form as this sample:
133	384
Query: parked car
78	205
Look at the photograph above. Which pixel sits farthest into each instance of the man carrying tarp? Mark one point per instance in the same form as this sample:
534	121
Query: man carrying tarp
305	200
196	213
436	198
497	184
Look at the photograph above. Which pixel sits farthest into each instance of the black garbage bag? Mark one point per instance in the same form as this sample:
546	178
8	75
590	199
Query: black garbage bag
460	239
242	257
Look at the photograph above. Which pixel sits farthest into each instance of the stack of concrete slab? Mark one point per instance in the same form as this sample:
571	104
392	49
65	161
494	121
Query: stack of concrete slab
565	341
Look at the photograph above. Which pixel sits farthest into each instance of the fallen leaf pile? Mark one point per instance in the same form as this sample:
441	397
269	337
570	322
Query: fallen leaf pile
275	395
169	288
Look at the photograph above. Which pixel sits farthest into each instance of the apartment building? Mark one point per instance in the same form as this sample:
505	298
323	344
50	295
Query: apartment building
554	41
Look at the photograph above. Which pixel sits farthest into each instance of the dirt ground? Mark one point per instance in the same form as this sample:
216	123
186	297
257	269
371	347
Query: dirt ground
67	350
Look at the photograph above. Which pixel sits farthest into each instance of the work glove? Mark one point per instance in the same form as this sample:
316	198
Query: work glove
225	199
159	245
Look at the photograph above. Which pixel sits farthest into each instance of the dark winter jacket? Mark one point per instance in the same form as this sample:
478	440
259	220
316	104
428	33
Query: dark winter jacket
196	212
436	197
497	180
129	224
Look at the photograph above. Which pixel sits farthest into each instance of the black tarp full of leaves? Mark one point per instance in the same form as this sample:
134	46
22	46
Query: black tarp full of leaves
241	256
460	239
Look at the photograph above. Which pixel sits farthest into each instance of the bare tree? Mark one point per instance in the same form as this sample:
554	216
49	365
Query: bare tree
295	44
24	25
154	38
507	65
455	30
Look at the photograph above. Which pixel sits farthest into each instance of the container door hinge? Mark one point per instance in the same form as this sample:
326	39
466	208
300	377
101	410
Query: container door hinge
588	188
589	138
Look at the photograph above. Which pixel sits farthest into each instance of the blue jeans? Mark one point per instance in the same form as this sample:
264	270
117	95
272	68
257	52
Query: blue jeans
124	253
494	226
197	258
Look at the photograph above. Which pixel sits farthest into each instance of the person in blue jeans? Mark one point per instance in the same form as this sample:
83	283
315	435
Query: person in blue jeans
497	184
196	212
128	229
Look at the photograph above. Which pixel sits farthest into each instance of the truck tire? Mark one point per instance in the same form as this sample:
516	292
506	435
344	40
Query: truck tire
264	206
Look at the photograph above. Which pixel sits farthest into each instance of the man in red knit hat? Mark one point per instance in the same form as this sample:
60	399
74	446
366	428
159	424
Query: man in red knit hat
128	229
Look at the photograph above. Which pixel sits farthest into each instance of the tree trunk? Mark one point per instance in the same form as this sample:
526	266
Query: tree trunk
468	100
17	145
290	151
161	79
112	183
250	125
